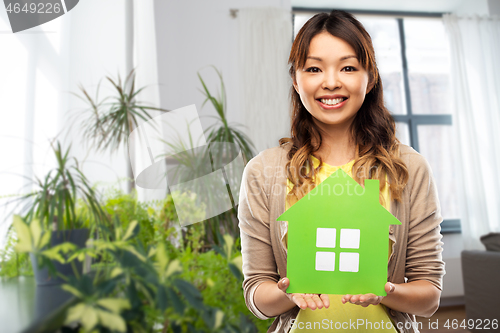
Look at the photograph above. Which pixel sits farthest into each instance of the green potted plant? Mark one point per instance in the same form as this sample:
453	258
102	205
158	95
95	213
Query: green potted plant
222	130
136	287
143	282
219	135
225	141
65	207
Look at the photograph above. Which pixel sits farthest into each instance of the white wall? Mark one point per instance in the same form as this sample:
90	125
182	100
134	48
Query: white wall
462	7
192	35
470	7
96	35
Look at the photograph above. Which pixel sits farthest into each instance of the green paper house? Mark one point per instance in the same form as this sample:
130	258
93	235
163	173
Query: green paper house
338	238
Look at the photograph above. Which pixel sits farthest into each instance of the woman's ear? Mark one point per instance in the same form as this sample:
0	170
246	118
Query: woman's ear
370	86
295	86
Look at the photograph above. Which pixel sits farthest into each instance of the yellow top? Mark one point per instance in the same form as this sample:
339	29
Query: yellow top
342	317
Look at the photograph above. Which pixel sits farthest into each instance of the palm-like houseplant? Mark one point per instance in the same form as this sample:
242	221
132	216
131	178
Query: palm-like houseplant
55	199
226	141
109	122
64	207
223	131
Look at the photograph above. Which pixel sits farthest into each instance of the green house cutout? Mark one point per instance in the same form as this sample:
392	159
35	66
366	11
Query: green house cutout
338	238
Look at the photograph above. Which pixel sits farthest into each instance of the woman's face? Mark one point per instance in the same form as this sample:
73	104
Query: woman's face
333	84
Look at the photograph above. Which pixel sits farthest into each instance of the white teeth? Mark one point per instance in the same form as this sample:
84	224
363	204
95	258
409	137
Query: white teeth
331	101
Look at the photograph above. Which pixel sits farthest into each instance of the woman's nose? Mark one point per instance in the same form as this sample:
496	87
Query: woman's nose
331	81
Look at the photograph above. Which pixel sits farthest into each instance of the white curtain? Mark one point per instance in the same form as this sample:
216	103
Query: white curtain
145	60
475	49
146	65
265	36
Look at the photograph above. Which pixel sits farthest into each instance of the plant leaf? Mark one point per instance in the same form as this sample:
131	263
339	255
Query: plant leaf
36	232
162	257
132	250
25	243
192	294
130	230
228	245
45	240
115	272
173	267
219	315
54	253
75	313
115	305
152	252
238	262
163	302
89	318
176	301
236	272
73	291
112	321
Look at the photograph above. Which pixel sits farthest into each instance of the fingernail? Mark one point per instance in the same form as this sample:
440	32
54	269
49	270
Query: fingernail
392	287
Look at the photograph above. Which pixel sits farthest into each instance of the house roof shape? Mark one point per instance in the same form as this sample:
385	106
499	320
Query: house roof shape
333	211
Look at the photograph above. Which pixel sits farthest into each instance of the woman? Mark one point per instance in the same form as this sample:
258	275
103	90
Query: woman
339	120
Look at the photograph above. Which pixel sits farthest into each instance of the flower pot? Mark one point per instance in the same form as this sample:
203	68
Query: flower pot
76	236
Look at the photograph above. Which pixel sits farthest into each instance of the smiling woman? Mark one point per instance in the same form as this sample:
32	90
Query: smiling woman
339	121
332	85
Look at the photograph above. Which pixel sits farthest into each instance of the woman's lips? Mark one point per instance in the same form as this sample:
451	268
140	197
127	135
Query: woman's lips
331	107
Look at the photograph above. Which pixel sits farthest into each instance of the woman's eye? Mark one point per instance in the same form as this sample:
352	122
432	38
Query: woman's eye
312	69
348	69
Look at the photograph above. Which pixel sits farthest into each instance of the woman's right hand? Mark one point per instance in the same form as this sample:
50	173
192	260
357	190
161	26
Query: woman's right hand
304	301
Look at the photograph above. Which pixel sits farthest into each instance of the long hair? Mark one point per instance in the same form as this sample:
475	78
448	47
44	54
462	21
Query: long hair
373	128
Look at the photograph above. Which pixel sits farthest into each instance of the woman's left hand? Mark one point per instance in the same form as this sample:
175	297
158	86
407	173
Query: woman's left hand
368	299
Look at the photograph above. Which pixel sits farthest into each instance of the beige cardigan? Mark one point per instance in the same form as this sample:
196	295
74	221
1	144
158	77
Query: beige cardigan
417	242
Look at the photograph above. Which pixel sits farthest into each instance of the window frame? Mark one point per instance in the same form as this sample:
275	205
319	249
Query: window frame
448	226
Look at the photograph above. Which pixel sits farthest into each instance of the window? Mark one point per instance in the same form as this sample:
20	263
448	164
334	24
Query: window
30	93
413	60
349	239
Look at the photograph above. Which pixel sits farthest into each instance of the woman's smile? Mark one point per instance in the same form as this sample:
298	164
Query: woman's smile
329	102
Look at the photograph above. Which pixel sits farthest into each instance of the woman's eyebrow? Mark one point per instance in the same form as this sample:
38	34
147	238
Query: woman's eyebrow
341	59
348	57
314	58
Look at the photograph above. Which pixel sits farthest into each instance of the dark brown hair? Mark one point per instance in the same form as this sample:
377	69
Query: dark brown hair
373	128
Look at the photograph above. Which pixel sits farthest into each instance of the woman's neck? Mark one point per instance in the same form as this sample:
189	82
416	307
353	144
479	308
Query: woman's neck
337	147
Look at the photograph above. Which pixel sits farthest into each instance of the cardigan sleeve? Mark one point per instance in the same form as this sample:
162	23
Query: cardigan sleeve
253	213
424	248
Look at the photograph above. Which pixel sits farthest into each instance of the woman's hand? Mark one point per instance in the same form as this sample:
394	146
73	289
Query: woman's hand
304	301
368	299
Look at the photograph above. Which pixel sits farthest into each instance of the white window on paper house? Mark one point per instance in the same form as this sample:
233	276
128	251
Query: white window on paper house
349	239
